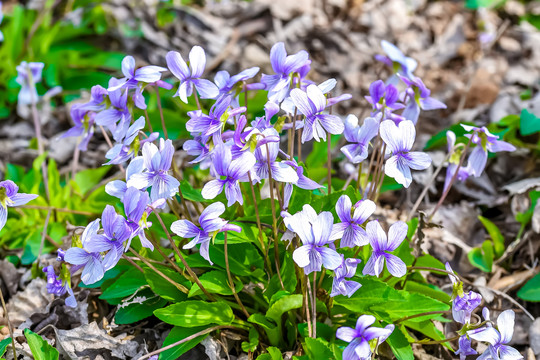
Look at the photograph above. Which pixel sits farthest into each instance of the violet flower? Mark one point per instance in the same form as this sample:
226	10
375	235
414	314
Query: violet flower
400	139
463	304
210	225
157	164
118	188
132	77
226	83
316	125
228	172
206	125
58	287
359	136
84	125
116	232
347	269
28	75
285	67
190	77
382	245
349	230
9	197
484	141
314	234
137	211
384	99
129	146
360	336
303	182
98	96
281	171
396	60
418	98
497	338
91	262
465	348
117	112
199	147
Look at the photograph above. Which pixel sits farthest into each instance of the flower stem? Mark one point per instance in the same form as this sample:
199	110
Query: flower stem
165	257
231	282
148	123
10	328
421	314
161	113
329	163
191	337
454	177
180	287
274	218
426	188
434	342
259	225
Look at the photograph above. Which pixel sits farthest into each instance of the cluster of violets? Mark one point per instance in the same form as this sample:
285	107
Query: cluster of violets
496	337
237	151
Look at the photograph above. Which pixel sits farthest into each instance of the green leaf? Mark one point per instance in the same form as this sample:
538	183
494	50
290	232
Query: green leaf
243	258
399	345
429	329
495	234
39	347
318	349
428	290
128	314
253	342
193	313
164	288
4	344
377	298
531	290
87	179
125	285
482	258
273	354
529	123
215	282
189	193
178	334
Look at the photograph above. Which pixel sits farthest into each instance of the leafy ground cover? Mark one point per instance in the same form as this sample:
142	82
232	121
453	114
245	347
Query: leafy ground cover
298	187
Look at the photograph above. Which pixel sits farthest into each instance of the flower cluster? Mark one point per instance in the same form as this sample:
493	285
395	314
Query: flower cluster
463	306
242	152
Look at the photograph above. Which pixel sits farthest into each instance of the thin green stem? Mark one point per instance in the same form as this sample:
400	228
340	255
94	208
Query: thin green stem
10	327
329	163
426	188
274	218
422	314
454	177
231	282
180	287
191	337
161	113
434	342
